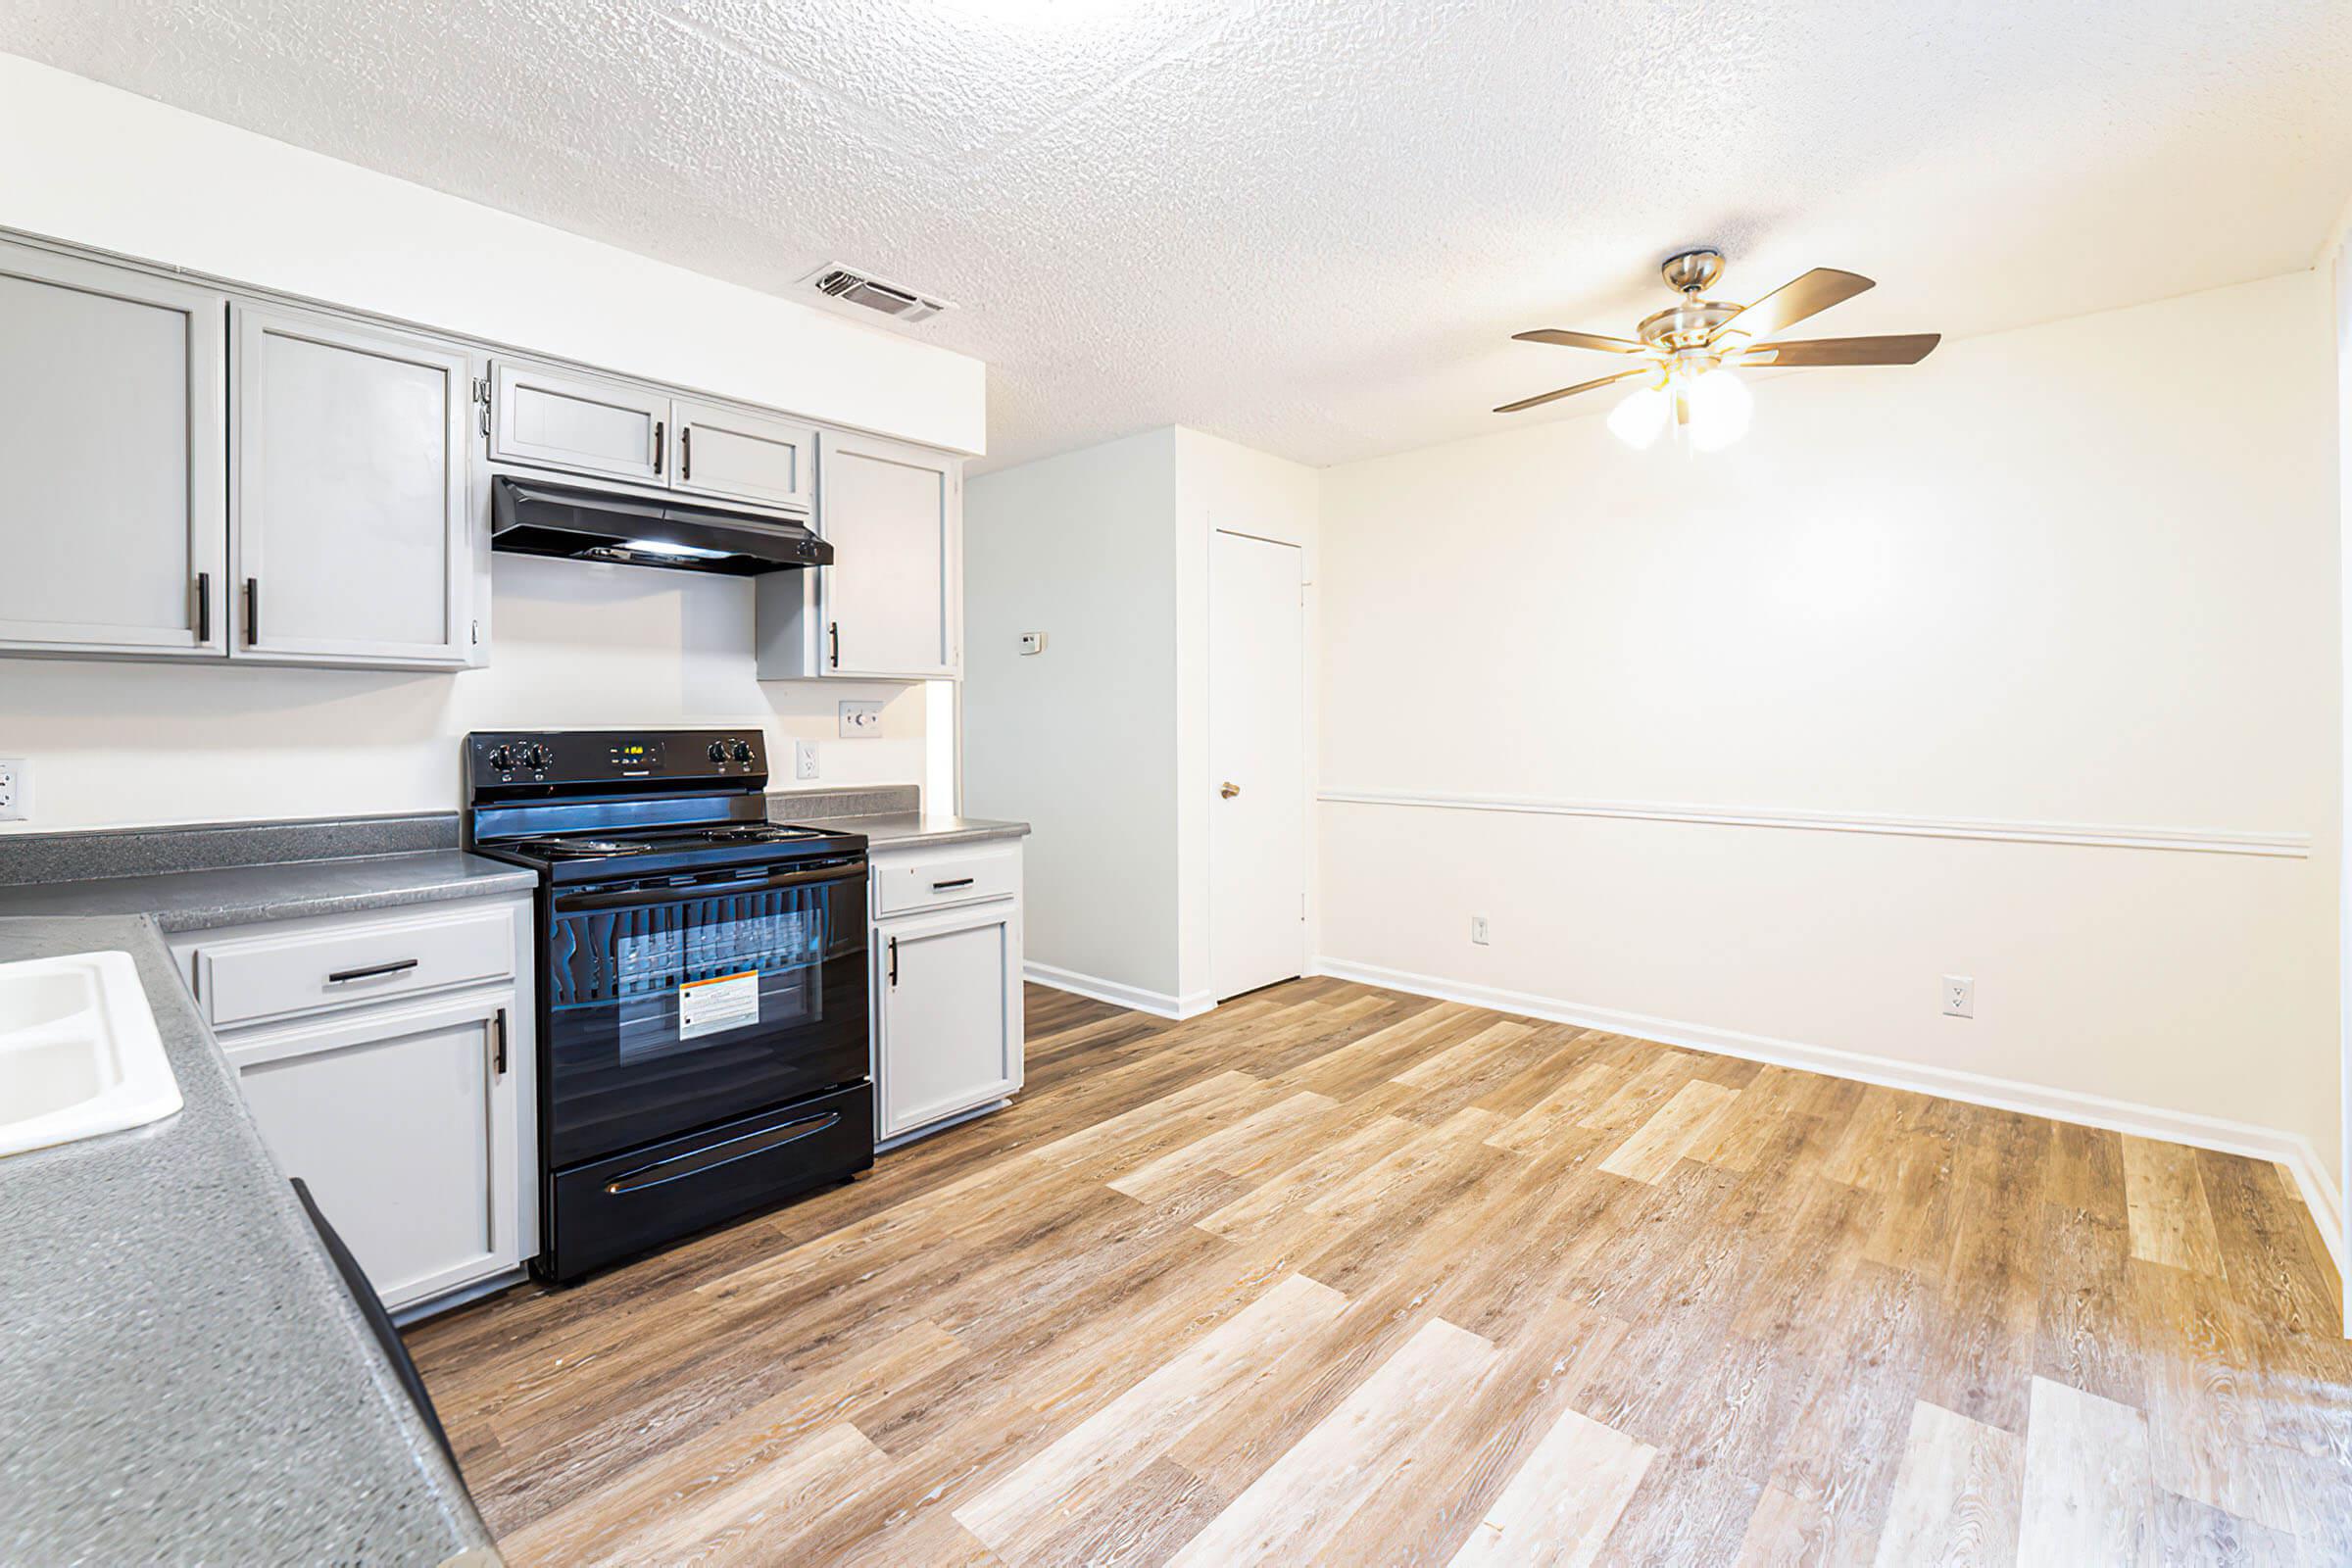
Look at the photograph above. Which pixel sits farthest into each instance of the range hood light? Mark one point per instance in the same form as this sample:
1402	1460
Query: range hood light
667	547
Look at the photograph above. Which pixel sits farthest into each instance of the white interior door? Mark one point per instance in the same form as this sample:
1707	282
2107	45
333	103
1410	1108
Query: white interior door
1257	757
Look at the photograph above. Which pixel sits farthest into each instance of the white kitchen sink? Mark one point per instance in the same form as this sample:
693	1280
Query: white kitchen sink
78	1051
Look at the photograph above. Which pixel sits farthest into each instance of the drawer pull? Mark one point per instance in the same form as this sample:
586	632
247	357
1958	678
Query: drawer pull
951	882
717	1154
346	976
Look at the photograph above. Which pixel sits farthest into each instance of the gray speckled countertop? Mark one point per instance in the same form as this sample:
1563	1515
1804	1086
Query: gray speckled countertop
896	830
182	1376
191	900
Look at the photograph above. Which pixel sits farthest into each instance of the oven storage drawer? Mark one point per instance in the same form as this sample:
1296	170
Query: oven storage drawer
623	1205
933	879
247	978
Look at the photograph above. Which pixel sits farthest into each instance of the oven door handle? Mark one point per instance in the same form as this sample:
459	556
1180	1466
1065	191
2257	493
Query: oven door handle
567	903
717	1154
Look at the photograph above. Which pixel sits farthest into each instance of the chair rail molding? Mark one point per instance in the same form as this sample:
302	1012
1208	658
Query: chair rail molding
2105	835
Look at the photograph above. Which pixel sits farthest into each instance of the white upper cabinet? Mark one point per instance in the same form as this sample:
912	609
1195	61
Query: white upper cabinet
565	420
349	493
891	605
744	457
113	434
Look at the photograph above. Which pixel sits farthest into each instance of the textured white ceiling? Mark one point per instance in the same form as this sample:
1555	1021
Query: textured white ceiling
1310	225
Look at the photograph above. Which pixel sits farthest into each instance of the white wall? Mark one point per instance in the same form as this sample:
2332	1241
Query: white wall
574	645
2081	574
101	166
1080	741
1101	742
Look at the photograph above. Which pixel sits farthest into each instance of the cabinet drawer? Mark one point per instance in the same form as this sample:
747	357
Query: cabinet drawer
933	879
269	977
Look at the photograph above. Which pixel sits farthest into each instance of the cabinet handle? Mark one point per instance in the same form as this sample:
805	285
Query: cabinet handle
833	632
346	976
955	882
656	446
498	1050
203	607
685	452
253	612
894	963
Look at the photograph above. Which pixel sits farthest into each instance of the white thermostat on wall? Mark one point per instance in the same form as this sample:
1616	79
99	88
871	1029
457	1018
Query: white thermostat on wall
1033	642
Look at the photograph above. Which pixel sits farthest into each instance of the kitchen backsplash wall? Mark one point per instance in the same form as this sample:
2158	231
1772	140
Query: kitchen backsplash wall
574	645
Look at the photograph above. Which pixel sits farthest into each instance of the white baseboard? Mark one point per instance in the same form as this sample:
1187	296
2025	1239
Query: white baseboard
2291	1150
1159	1003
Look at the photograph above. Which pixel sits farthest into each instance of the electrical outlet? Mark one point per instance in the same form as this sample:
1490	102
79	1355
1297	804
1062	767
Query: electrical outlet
804	758
15	789
859	719
1959	996
1478	929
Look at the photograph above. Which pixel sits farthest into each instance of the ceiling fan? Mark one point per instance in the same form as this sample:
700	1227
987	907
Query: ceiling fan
1684	354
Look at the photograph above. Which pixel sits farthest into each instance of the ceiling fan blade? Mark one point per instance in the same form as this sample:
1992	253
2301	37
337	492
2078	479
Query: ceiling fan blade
1571	391
1578	340
1793	302
1907	349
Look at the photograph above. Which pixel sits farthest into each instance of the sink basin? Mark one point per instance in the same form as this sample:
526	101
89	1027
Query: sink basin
78	1051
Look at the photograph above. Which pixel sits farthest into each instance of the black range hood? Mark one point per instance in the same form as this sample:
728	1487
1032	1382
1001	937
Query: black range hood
637	529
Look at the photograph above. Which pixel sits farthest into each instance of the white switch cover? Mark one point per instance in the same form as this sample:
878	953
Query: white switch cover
804	758
1033	642
15	789
860	719
1959	996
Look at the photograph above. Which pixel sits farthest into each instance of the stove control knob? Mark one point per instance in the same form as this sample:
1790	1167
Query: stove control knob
738	752
718	751
502	757
538	757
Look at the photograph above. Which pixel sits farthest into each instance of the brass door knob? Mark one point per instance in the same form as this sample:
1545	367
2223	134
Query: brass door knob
1229	791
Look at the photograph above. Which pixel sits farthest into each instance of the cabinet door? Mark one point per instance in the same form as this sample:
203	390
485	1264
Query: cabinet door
112	433
406	1126
949	1027
349	492
892	602
556	419
744	457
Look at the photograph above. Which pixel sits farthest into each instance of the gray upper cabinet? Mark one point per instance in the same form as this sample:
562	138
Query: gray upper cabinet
744	457
349	493
891	605
564	419
113	434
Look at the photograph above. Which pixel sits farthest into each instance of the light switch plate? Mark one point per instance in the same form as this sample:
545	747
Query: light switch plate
804	758
860	719
1033	642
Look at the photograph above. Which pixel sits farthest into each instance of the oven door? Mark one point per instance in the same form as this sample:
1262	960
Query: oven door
678	1001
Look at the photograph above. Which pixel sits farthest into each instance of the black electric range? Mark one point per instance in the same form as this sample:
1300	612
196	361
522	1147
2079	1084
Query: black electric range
702	983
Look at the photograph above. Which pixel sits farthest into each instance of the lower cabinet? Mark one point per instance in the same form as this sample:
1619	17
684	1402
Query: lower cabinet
398	1085
404	1121
948	1030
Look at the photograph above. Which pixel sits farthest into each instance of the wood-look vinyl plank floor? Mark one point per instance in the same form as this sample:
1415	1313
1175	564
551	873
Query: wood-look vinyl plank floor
1337	1275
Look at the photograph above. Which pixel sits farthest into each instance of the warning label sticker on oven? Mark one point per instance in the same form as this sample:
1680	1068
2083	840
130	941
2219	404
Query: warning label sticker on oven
722	1002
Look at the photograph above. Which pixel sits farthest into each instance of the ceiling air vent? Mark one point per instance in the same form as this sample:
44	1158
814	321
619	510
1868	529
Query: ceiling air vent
863	288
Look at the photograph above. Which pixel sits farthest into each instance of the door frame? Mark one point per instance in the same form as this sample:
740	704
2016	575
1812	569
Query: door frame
1307	762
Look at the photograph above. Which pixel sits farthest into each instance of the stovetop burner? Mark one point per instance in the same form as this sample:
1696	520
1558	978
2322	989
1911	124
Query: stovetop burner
577	849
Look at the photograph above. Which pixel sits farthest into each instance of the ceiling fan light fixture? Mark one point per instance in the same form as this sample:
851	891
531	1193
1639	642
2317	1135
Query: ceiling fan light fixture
1639	416
1720	408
